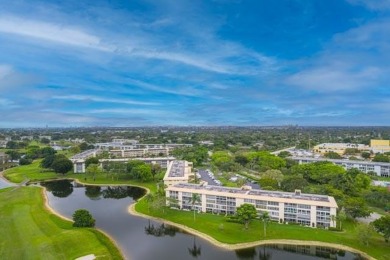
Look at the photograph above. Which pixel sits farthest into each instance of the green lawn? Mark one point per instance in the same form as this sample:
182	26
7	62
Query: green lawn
32	172
231	233
29	231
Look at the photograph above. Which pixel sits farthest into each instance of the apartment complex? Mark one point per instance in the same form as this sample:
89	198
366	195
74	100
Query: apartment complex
338	147
285	207
380	146
380	168
178	171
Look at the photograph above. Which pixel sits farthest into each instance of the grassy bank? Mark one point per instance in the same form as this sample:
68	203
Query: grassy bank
31	172
30	231
223	231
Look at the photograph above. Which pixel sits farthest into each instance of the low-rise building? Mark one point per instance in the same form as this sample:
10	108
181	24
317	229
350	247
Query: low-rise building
380	168
285	207
380	146
338	147
178	171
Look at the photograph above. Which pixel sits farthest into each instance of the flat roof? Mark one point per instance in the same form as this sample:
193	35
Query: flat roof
340	161
257	192
177	169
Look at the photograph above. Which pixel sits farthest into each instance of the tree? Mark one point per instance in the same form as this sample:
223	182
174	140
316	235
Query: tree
82	218
93	169
381	158
149	199
364	233
269	183
14	155
194	200
62	165
366	155
332	155
341	217
245	213
142	172
382	225
284	154
265	218
47	161
91	160
356	208
25	161
156	168
293	182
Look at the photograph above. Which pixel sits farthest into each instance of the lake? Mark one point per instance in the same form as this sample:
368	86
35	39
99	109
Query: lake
142	239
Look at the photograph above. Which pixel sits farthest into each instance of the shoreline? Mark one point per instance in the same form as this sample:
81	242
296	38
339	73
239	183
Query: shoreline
53	211
132	211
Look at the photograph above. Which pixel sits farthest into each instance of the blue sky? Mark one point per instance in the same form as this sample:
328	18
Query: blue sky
216	62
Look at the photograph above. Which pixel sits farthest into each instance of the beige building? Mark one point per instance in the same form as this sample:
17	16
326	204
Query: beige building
380	146
178	171
338	147
285	207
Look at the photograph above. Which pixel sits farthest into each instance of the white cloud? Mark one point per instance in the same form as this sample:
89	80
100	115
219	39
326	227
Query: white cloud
332	78
50	32
101	99
182	91
379	5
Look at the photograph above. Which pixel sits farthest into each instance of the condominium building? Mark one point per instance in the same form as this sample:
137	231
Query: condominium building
380	168
285	207
338	147
178	171
380	146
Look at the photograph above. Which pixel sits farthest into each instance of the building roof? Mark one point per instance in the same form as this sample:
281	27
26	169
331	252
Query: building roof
277	196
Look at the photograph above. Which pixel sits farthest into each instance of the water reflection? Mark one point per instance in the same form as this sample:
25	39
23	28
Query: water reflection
264	254
161	230
195	250
120	192
60	189
93	192
246	253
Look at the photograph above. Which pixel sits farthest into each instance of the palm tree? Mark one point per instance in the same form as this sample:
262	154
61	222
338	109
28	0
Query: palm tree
333	218
265	218
341	217
149	199
194	199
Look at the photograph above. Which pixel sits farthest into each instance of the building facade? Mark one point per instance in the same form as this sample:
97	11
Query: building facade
380	146
285	207
338	147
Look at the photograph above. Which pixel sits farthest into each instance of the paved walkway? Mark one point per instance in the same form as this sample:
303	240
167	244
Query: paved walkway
371	218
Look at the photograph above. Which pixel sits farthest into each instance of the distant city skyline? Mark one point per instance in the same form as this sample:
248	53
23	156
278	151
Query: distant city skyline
217	62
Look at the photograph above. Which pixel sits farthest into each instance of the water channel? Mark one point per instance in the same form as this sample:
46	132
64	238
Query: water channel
142	239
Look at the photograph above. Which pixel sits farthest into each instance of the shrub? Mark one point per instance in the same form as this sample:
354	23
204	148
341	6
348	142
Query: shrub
82	218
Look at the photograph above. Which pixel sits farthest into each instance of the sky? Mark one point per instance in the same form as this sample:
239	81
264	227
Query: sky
183	62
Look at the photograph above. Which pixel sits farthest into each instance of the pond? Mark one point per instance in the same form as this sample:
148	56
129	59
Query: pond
140	238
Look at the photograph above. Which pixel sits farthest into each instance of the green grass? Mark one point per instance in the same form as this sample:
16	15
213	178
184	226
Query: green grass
233	233
32	172
29	231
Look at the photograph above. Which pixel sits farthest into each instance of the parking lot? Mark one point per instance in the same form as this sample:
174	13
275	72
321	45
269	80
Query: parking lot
208	176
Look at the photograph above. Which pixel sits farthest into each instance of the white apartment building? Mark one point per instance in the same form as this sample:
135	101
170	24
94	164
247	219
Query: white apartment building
380	168
178	171
285	207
